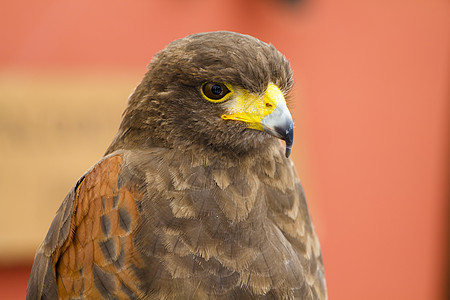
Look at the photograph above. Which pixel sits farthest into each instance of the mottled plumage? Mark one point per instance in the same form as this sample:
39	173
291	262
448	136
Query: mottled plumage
187	204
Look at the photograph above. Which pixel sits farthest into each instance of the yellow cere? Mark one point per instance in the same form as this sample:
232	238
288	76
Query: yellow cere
252	109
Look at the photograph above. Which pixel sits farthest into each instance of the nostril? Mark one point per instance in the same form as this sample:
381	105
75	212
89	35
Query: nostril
268	105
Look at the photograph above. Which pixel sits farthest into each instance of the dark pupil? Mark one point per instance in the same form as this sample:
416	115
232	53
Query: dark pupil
216	89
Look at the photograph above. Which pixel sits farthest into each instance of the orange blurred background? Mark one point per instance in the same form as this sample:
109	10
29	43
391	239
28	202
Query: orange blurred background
371	108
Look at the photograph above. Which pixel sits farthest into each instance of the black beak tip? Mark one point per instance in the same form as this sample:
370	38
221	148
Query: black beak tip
289	138
286	133
288	151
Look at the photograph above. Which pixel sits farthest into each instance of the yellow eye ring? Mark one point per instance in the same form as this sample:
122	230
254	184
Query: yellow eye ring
216	91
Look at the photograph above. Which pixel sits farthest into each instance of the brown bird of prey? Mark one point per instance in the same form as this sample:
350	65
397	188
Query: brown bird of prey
196	197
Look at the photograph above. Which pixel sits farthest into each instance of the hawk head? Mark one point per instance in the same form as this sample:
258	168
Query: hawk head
218	91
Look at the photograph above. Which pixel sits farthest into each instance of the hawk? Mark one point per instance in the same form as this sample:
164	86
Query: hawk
196	197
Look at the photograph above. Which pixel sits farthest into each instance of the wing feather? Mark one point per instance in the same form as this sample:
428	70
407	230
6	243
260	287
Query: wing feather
89	251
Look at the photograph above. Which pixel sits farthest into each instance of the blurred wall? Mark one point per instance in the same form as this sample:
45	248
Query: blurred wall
371	110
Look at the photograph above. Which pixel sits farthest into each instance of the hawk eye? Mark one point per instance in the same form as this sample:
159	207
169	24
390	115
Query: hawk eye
214	91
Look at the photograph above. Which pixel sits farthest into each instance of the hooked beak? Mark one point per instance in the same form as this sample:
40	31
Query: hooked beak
268	113
279	124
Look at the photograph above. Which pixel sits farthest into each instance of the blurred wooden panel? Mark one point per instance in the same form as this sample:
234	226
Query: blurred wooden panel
53	127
